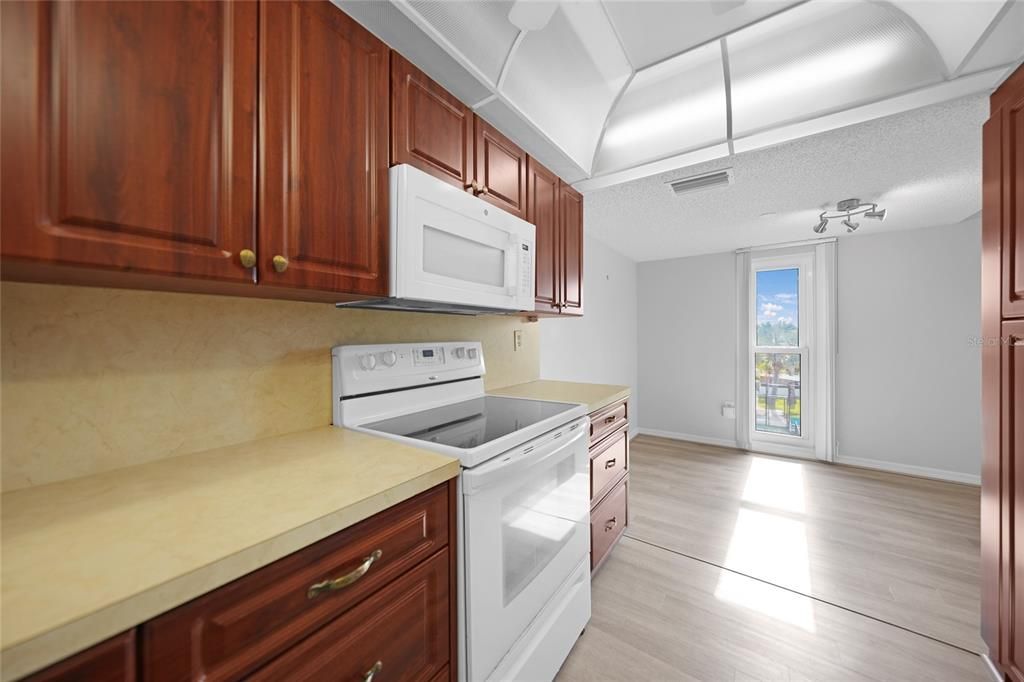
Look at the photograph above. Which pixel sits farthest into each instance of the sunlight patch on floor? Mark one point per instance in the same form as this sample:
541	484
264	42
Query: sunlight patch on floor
771	545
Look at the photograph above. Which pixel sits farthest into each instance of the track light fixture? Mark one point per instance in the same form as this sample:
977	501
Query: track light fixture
846	209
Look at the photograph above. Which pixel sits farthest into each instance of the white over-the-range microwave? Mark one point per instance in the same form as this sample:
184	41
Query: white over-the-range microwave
453	252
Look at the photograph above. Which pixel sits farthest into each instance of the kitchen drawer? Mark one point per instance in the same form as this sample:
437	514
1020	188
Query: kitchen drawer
603	422
607	522
233	630
109	661
400	633
609	460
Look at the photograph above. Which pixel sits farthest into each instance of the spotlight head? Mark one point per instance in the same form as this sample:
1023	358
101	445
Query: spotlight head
875	214
850	225
820	227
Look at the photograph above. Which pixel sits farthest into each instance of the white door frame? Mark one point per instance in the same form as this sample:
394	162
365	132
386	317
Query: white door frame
817	347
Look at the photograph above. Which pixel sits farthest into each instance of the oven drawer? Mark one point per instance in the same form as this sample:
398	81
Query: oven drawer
609	460
229	632
607	522
607	420
400	633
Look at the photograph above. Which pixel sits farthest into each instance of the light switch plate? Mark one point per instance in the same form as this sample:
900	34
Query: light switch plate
517	339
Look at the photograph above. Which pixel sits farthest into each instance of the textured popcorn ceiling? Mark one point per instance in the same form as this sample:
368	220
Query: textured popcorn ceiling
924	166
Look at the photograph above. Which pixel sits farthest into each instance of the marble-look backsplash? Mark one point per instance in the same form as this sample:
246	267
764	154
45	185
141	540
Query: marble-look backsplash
97	379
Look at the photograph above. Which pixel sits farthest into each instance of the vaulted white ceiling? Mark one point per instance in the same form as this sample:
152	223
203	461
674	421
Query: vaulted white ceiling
605	92
922	166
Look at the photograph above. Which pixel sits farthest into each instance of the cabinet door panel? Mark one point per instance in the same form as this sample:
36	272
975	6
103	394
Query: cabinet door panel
117	151
542	211
570	205
1013	207
1012	428
324	155
500	169
430	129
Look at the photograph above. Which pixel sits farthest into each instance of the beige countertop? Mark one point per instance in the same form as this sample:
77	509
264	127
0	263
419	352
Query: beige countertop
594	396
88	558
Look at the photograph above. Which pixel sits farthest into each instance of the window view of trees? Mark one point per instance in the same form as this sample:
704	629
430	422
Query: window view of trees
777	375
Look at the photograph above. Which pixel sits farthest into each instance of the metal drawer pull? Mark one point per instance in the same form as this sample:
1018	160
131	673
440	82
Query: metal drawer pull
609	419
610	463
369	674
610	523
344	581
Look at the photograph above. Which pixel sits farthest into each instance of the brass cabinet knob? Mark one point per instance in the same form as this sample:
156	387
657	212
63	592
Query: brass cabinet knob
248	258
280	263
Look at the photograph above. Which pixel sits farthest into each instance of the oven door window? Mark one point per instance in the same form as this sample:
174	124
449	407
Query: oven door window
536	523
525	532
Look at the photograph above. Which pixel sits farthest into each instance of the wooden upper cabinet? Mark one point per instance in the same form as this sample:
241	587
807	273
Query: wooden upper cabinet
128	133
323	150
570	207
430	128
542	211
500	169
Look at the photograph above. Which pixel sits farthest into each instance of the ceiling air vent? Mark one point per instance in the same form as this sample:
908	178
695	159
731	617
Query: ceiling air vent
717	178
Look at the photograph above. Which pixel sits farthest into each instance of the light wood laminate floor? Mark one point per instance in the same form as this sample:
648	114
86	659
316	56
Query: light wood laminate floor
748	567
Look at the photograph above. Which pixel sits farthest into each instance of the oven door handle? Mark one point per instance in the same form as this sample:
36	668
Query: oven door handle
511	465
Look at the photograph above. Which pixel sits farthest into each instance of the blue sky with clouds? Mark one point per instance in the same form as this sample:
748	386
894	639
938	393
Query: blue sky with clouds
777	296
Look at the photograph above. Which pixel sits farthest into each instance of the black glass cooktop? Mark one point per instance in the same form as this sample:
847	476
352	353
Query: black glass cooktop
470	423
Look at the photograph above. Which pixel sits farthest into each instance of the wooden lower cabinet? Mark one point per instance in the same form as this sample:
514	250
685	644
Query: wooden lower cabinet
109	661
401	632
609	479
380	594
608	521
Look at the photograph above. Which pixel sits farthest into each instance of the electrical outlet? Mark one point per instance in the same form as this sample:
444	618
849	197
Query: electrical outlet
517	339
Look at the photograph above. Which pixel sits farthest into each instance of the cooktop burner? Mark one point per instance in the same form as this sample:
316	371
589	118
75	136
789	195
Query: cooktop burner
470	423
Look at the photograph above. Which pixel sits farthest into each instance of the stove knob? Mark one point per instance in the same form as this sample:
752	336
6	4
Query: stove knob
472	353
389	358
460	352
368	361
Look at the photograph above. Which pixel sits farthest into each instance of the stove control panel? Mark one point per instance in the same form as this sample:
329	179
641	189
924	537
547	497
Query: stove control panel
363	369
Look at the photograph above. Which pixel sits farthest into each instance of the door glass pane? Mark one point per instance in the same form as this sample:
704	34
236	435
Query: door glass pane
777	386
536	522
778	306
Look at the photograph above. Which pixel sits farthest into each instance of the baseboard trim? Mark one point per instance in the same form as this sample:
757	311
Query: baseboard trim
992	669
910	470
705	440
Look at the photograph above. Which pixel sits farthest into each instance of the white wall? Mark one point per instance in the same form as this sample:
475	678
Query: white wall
687	366
601	346
908	379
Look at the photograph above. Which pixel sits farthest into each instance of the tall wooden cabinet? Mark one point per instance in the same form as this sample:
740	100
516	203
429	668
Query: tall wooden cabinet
1002	510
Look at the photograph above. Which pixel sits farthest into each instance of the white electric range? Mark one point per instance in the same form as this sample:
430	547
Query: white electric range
524	527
